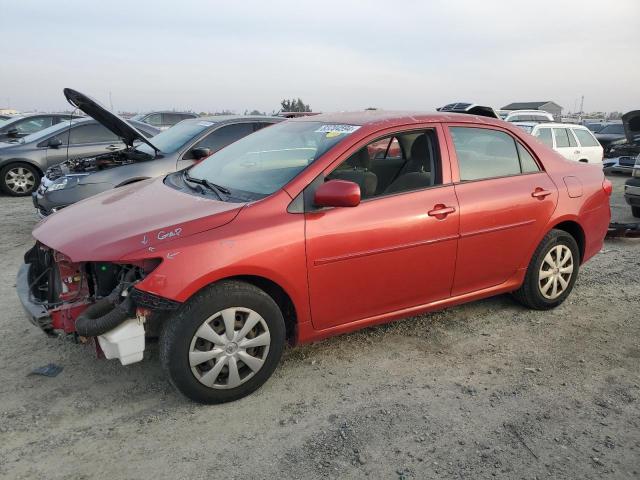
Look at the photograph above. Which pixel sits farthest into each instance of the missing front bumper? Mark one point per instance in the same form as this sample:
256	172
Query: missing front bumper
36	312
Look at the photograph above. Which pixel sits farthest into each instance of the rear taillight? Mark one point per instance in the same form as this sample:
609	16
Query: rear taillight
607	187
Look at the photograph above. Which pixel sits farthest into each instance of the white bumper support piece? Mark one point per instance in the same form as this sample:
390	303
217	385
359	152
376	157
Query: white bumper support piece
125	342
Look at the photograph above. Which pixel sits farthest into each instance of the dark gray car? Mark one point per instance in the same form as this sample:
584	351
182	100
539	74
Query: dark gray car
174	149
23	125
163	120
23	161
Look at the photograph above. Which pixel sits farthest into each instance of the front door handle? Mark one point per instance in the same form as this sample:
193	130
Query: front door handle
441	211
577	152
112	148
540	193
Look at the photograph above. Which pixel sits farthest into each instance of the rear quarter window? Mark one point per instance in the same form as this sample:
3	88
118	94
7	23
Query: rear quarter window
585	138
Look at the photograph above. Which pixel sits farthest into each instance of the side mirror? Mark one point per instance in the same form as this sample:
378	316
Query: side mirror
200	153
337	193
54	143
12	132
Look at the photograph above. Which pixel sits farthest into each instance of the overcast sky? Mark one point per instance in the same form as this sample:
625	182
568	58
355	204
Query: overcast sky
335	55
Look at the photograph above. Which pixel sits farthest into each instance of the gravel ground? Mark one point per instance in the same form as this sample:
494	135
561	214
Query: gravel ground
483	390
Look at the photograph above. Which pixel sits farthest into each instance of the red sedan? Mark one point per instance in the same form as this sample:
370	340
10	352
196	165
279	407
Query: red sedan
302	231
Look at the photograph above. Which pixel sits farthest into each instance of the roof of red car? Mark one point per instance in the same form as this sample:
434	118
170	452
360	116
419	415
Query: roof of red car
368	117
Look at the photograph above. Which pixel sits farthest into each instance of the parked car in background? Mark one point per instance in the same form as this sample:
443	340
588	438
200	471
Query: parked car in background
595	127
610	133
620	155
179	147
573	142
294	234
23	161
632	189
23	125
163	120
5	117
469	108
538	116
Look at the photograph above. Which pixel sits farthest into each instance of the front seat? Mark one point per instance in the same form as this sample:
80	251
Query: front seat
359	173
416	174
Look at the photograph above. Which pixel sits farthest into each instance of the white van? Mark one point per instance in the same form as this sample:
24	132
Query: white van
573	142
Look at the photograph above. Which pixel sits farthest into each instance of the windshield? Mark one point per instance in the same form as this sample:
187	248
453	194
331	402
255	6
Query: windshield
171	140
263	162
616	128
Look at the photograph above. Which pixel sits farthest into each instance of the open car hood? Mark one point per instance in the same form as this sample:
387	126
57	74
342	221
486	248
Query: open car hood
631	122
110	120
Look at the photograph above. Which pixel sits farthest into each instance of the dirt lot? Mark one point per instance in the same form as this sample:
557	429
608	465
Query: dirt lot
480	391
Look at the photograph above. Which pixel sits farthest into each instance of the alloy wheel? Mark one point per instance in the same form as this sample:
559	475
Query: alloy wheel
555	272
20	180
229	348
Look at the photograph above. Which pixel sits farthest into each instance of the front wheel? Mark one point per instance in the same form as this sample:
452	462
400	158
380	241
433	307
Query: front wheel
552	272
19	179
224	343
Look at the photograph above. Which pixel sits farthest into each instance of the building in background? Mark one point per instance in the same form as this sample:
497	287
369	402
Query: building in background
552	107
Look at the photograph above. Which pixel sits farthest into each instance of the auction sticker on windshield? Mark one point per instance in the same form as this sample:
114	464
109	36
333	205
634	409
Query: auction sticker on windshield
335	130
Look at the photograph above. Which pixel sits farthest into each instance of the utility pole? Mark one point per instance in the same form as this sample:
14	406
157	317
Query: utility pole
110	101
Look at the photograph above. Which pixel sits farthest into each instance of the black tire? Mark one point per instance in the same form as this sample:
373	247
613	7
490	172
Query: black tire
529	294
32	174
635	211
179	330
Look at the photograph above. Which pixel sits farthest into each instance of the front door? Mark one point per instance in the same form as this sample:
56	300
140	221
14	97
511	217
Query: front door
396	249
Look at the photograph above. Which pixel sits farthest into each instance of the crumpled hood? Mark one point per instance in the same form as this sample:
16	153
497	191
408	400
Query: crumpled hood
631	122
117	125
146	214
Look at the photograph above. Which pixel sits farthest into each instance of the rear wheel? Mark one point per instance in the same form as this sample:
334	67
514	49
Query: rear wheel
635	211
224	343
19	179
552	272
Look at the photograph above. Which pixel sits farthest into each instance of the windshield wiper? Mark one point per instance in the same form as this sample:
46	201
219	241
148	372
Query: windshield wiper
217	189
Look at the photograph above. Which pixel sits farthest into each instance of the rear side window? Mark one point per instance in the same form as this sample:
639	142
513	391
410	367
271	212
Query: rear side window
155	119
32	125
572	139
562	139
585	138
484	153
544	134
172	118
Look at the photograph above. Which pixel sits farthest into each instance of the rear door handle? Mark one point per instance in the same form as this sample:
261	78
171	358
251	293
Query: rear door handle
540	193
440	211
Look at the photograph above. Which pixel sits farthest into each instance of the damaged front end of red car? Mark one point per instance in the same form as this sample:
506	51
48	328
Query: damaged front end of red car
95	302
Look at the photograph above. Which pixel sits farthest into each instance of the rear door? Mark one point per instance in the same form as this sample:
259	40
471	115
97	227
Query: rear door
590	148
565	143
505	199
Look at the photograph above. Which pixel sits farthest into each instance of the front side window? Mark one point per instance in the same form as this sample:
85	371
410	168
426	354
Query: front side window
585	138
259	164
173	139
484	153
224	136
395	164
